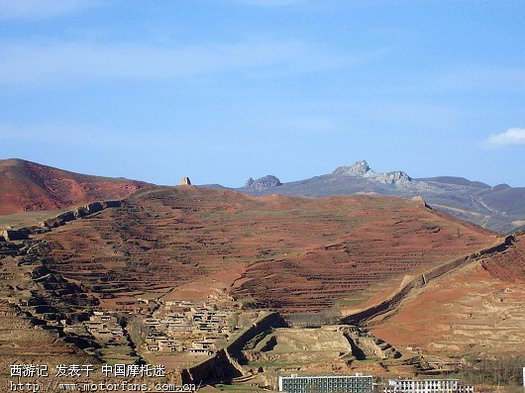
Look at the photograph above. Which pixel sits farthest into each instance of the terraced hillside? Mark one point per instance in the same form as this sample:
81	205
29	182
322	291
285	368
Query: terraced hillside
479	309
287	253
26	338
22	343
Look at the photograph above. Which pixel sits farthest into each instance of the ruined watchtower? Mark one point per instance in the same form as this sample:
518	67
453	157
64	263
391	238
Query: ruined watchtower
185	181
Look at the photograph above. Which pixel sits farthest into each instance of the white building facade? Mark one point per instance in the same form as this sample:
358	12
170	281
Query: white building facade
426	386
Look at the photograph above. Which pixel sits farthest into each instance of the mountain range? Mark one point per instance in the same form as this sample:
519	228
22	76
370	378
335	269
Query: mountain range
500	208
29	186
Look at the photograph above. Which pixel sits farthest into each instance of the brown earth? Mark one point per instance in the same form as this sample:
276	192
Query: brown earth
479	309
287	253
23	343
509	266
28	186
24	338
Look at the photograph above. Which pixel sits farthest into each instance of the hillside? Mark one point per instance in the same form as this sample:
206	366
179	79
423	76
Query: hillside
314	260
28	186
475	310
287	253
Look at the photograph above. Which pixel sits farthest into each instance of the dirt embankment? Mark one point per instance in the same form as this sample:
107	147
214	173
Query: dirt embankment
79	212
223	365
509	266
477	309
390	304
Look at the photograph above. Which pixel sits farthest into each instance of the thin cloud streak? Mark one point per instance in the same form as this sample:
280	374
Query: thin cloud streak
42	9
27	64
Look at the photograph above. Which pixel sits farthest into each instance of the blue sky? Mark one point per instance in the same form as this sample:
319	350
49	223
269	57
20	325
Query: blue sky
221	90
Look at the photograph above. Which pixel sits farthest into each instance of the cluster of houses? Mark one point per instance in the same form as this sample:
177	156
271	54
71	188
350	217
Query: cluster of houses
190	327
103	325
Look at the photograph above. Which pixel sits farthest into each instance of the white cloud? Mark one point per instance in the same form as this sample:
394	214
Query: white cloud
511	137
41	9
29	64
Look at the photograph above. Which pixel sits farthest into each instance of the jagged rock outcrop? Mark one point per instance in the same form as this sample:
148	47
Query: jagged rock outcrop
362	169
79	212
359	168
396	177
263	183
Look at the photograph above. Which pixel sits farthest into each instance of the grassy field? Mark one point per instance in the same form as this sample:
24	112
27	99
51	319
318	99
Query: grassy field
27	218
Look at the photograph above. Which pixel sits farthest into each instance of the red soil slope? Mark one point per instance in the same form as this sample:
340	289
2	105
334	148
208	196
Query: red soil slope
26	186
297	254
477	309
509	266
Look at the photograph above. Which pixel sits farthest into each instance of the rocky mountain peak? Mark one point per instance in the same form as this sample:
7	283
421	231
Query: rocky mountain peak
394	177
359	168
262	183
362	169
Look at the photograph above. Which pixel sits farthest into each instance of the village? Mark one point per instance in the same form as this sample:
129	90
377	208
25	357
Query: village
192	327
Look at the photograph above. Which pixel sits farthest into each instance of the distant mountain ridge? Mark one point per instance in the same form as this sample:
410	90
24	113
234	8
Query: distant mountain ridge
362	169
500	208
28	186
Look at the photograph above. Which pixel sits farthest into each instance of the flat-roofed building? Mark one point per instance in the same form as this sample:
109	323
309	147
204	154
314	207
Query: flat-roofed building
357	383
426	386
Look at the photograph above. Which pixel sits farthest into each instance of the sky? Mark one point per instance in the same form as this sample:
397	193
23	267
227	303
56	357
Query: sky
224	90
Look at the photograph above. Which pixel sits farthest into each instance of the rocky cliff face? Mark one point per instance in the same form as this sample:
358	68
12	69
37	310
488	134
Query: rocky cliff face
362	169
263	183
359	168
